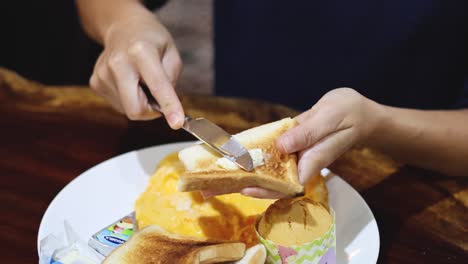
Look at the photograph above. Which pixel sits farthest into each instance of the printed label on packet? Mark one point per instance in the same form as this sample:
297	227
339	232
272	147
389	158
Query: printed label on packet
117	233
114	235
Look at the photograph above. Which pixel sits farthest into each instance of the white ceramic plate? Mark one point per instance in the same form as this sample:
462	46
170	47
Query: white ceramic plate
107	191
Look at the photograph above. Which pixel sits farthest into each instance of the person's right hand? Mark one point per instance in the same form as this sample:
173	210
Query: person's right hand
137	48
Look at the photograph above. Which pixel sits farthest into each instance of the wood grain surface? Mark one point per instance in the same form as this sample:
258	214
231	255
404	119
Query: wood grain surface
49	135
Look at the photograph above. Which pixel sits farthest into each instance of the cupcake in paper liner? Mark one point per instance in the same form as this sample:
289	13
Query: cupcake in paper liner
298	230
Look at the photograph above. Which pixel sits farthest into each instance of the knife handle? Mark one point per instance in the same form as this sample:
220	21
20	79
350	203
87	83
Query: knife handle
151	100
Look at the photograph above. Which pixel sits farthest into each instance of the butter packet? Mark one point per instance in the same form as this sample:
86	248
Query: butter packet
113	235
66	248
321	250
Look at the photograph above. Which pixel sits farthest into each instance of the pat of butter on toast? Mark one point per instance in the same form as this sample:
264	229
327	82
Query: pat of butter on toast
255	154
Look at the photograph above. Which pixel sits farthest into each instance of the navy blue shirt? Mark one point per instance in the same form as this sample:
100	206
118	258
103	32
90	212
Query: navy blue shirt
397	52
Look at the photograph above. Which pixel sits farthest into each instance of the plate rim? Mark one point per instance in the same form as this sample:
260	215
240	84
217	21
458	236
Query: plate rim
370	210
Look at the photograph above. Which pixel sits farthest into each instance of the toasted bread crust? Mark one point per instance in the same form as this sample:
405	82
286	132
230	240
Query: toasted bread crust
235	180
279	172
155	245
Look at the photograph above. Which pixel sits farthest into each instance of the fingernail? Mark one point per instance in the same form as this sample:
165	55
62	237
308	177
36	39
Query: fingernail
302	180
173	120
246	191
205	196
301	173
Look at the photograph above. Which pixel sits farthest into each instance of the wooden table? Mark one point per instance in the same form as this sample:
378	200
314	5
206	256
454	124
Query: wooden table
49	135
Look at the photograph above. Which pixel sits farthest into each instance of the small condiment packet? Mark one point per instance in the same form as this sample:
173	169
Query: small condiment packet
112	236
66	248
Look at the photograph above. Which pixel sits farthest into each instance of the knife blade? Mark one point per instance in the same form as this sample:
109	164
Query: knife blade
212	135
219	140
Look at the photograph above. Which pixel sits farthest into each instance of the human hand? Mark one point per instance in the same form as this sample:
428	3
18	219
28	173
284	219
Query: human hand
339	120
138	48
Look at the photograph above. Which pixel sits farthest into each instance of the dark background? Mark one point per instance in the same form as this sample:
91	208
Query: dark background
43	41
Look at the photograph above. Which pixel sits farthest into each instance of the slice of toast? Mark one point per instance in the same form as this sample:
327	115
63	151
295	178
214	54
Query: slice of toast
278	173
153	244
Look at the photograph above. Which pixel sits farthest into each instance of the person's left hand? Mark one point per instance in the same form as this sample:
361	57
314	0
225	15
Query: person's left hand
338	121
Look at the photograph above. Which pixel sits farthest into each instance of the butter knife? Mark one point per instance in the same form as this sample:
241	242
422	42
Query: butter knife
212	135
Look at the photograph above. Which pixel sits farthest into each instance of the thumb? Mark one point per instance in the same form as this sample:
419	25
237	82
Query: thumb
296	139
323	153
311	129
